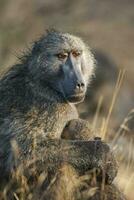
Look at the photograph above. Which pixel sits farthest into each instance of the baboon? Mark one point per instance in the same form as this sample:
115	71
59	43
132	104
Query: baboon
78	129
37	100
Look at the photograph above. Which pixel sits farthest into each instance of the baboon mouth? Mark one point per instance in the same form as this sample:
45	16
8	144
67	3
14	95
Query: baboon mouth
76	98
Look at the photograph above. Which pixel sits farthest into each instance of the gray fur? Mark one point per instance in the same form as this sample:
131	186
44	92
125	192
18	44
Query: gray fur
34	107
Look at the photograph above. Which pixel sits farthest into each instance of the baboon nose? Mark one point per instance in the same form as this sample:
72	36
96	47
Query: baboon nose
80	86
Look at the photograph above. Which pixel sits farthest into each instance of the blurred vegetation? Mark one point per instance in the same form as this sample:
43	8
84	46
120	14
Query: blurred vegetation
108	28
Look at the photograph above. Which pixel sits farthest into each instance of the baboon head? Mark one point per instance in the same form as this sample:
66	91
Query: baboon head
63	62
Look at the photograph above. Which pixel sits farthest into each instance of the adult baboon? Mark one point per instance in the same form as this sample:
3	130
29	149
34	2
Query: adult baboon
37	100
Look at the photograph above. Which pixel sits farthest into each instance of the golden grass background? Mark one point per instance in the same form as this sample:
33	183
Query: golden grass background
107	26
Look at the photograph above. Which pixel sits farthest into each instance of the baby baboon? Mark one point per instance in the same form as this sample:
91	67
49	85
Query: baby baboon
78	129
37	101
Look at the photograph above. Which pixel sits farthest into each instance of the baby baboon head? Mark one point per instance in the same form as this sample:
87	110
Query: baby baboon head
63	62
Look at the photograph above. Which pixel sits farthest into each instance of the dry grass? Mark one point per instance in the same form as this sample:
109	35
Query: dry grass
122	142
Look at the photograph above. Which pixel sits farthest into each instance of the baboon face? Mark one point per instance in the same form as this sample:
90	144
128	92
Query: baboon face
65	63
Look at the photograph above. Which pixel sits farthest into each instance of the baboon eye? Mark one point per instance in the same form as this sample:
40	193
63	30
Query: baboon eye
62	56
76	53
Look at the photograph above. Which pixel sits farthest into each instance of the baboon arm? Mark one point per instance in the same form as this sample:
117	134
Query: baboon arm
82	155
